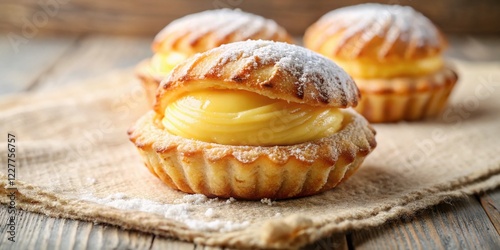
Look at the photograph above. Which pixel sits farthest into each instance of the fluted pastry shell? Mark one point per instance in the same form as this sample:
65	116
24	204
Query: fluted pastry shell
405	98
394	54
253	172
275	70
375	32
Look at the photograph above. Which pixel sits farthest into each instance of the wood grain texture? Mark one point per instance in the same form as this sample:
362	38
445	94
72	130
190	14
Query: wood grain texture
163	243
22	63
473	48
491	204
336	241
462	224
36	231
149	16
94	55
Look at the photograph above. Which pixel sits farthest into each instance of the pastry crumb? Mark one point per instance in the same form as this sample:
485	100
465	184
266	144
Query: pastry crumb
230	200
267	201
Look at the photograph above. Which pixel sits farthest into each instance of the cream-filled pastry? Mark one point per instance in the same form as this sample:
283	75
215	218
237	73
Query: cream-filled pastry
394	54
253	120
200	32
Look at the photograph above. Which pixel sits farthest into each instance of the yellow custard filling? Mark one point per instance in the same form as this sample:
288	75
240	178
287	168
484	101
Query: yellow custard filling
236	117
164	62
373	69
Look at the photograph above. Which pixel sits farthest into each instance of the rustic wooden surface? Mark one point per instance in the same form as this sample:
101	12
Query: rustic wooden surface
147	17
50	62
458	225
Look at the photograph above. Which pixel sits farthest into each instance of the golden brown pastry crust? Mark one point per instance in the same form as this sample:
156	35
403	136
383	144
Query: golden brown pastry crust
379	35
276	70
205	30
253	172
405	98
375	32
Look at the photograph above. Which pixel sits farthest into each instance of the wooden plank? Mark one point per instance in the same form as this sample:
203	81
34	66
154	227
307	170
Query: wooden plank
95	55
149	16
474	48
491	204
462	224
335	241
116	238
36	231
161	243
23	63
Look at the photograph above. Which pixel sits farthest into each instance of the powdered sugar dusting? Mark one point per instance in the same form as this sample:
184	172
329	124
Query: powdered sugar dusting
194	199
393	22
305	154
317	76
234	25
91	181
181	210
209	213
363	16
245	156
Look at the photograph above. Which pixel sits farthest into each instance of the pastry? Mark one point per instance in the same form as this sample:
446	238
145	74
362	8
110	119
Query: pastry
252	120
395	55
200	32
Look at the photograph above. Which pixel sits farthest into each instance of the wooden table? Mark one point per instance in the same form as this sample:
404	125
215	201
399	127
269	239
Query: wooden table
51	62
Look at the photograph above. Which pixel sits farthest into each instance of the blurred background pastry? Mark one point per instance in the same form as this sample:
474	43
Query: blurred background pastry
200	32
395	55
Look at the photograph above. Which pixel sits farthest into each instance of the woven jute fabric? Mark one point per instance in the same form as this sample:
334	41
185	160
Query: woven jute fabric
74	160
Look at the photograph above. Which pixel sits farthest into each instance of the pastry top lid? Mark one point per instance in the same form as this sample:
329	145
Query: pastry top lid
273	69
375	31
205	30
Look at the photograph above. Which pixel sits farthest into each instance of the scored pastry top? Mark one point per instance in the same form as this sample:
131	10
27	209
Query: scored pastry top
375	31
202	31
272	69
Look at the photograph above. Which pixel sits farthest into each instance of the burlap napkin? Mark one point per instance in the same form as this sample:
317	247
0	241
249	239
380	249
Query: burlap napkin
74	161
